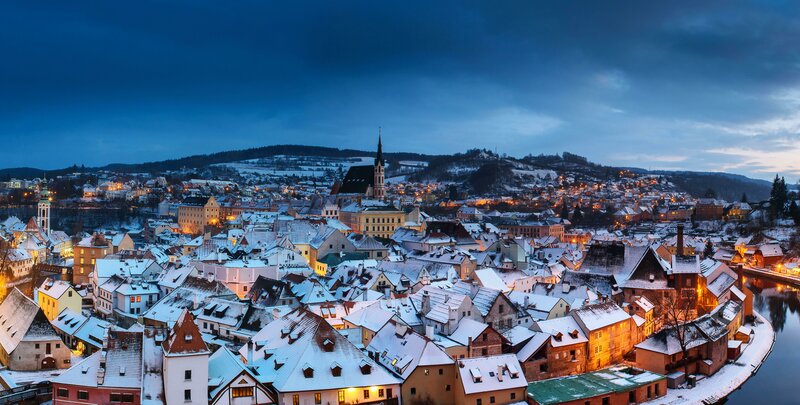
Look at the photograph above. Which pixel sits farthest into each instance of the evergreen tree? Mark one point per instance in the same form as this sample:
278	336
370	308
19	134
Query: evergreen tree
453	192
710	193
564	210
778	197
794	212
744	197
577	215
709	250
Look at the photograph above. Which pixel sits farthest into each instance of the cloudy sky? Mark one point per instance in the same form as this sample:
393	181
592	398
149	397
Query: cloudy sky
675	85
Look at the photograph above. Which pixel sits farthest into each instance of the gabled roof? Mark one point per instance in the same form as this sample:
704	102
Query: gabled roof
357	180
184	338
196	201
401	350
225	368
118	365
301	349
21	319
598	316
649	273
770	250
54	288
372	318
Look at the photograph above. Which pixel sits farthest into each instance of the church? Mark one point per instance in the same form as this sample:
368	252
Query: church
363	181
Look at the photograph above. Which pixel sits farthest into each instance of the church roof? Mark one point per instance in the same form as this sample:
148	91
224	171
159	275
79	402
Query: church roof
358	180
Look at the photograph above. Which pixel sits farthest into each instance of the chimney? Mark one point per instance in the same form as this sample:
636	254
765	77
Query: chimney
740	276
469	346
429	332
680	240
249	352
426	303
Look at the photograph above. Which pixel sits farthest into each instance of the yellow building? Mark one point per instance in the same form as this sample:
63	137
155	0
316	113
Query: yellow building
56	295
86	253
195	213
372	218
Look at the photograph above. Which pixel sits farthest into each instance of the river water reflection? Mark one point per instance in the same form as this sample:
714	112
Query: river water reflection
778	380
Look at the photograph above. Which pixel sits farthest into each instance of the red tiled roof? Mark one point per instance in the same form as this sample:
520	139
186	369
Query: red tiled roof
185	338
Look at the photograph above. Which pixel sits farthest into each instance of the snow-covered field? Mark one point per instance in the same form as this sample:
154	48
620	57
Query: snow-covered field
539	173
729	377
302	166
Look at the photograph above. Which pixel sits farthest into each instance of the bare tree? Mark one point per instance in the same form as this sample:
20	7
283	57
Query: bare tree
5	266
677	314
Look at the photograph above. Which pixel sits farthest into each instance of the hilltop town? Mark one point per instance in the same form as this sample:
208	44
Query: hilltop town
293	279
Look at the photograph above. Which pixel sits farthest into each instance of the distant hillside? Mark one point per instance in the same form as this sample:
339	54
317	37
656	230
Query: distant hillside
727	186
198	161
480	171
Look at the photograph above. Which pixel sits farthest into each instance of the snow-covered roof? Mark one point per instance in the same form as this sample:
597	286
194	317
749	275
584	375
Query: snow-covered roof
563	331
21	319
490	279
54	288
372	317
493	373
400	350
598	316
301	348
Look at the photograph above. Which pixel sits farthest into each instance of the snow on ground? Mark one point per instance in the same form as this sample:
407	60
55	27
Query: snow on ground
731	376
780	234
540	173
303	166
29	377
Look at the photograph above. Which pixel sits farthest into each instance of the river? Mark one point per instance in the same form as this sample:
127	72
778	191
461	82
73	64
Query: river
778	380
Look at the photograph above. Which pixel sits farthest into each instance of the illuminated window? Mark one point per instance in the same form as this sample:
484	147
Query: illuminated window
241	392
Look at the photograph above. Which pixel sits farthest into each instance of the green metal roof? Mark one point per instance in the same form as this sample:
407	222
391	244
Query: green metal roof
588	385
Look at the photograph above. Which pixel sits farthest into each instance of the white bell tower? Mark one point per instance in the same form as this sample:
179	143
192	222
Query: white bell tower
43	217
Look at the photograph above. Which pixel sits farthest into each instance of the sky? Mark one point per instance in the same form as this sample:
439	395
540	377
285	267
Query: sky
686	85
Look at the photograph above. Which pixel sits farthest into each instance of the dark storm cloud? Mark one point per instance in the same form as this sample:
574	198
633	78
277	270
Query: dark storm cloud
696	85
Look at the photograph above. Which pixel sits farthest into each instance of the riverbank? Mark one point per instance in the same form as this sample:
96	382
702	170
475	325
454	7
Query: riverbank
730	377
786	278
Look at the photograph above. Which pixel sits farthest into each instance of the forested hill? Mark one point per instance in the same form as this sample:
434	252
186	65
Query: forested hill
481	170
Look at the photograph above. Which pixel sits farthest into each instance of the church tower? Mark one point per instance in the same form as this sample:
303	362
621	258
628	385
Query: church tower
43	217
378	192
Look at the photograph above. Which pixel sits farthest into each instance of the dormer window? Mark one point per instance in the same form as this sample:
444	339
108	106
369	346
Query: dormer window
308	372
574	334
558	336
365	367
476	375
336	369
327	344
